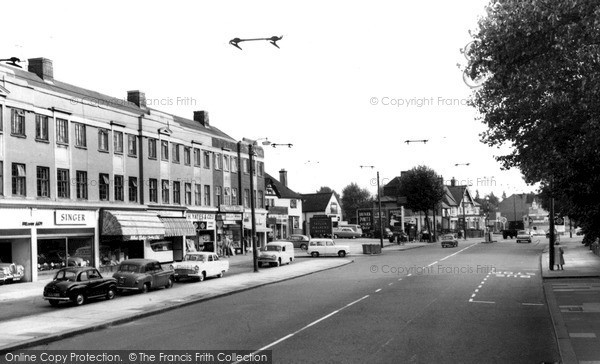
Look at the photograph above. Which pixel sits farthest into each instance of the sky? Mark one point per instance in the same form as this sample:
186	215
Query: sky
350	83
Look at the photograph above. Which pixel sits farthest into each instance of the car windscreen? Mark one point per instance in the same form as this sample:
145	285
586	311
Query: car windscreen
65	275
194	258
273	248
129	268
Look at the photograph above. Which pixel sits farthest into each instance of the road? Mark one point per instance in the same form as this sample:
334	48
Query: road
471	304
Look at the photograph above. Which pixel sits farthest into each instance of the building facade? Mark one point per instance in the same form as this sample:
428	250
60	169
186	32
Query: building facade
89	177
284	207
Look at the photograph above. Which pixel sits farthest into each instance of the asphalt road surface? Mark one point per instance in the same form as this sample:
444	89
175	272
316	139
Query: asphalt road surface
478	303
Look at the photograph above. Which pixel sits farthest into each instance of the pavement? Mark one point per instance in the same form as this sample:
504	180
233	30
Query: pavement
68	320
573	297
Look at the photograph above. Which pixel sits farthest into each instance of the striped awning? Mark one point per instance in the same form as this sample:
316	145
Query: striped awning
132	225
178	226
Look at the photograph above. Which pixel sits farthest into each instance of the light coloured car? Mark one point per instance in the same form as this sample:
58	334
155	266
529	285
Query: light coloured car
523	237
200	265
324	247
346	232
277	253
449	240
11	272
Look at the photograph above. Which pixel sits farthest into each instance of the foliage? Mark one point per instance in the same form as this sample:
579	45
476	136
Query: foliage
325	189
353	198
541	60
422	188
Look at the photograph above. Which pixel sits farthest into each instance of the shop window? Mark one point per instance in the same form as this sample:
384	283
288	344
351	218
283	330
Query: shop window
151	148
118	142
119	188
62	131
103	140
103	185
80	135
41	127
153	190
133	189
19	179
17	122
62	183
82	185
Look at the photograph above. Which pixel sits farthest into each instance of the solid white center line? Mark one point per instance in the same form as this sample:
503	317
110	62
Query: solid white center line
433	263
378	290
482	301
307	326
532	304
389	284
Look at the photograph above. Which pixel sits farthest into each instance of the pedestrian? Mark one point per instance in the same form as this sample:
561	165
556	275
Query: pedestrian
559	259
220	246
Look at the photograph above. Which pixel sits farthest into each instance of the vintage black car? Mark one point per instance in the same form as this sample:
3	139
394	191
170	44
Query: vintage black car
143	275
78	284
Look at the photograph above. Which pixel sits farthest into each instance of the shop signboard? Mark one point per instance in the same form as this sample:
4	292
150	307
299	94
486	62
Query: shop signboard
321	225
365	219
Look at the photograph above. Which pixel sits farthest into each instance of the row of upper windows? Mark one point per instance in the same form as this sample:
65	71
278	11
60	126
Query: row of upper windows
201	157
201	193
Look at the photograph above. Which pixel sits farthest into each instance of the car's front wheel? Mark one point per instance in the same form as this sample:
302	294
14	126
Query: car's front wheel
201	277
314	254
303	247
145	287
220	275
169	283
111	293
341	253
79	299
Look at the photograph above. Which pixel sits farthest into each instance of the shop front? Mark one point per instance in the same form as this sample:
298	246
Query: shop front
127	234
261	228
277	222
205	226
229	228
43	240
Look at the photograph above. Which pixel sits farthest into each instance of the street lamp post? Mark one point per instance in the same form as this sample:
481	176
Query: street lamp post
379	206
252	211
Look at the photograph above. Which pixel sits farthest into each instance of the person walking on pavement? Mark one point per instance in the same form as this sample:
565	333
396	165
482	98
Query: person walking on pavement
559	259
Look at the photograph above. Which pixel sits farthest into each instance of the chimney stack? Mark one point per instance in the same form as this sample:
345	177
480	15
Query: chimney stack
41	67
137	97
202	118
283	177
453	182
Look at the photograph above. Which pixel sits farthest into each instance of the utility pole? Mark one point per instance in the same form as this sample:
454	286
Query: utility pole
379	206
252	212
552	237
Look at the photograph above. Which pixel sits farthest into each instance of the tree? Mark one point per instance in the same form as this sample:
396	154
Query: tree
353	198
541	64
423	190
503	195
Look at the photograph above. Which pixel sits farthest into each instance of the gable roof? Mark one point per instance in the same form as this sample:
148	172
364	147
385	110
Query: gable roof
281	190
316	202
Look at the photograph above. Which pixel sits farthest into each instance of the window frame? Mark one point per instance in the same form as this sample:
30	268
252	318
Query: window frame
165	191
119	192
132	145
132	191
82	185
103	140
19	183
43	181
62	131
17	122
153	190
63	187
41	128
117	142
80	140
152	151
104	187
164	150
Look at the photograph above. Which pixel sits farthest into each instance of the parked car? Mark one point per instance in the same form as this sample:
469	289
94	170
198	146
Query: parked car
318	247
78	285
142	275
11	272
523	236
346	232
387	233
276	253
449	240
200	265
300	241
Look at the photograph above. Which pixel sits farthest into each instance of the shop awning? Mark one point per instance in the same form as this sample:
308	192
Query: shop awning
132	225
178	226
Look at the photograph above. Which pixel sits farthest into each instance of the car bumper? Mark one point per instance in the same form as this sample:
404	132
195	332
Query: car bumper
128	288
523	240
267	260
57	298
